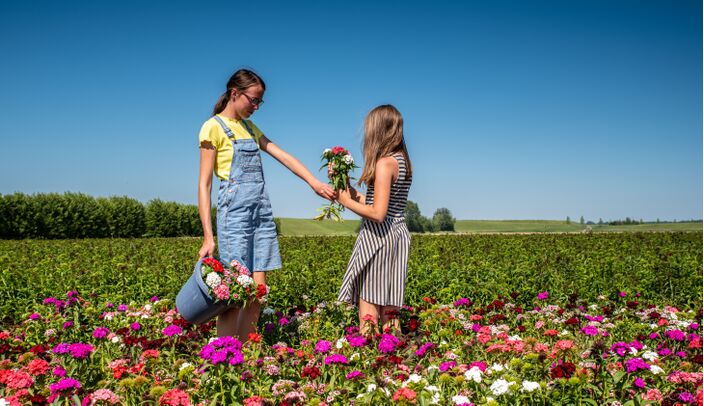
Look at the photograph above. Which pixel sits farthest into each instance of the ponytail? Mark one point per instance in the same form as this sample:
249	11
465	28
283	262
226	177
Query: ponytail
241	80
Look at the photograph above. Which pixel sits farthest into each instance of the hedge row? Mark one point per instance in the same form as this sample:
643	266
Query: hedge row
76	215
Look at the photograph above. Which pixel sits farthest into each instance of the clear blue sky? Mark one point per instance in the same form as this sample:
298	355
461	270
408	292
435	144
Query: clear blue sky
513	109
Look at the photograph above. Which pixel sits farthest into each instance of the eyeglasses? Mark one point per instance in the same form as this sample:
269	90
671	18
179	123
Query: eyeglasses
255	101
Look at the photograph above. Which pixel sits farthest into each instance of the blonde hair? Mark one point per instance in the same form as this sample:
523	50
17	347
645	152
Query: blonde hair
383	136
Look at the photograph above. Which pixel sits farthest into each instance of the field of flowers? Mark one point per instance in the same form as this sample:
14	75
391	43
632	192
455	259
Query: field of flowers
492	320
75	350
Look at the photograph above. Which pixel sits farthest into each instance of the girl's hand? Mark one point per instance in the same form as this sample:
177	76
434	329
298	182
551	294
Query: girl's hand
344	197
323	190
207	249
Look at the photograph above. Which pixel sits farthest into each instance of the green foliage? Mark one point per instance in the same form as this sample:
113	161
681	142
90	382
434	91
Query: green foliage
443	220
416	222
277	223
665	268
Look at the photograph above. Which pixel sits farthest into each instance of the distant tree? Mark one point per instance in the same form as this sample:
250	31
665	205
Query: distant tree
568	221
414	220
443	220
581	219
601	222
658	220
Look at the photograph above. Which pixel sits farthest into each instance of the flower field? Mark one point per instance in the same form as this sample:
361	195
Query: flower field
545	319
74	351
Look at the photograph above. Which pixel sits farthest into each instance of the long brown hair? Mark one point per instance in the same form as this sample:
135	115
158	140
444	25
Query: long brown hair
383	136
240	80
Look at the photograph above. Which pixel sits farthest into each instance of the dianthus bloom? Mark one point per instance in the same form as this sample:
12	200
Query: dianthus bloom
135	326
172	330
101	332
254	401
423	349
80	350
590	330
543	295
220	349
17	379
676	335
446	366
65	385
38	366
122	308
639	383
335	359
462	302
355	375
104	395
388	343
405	394
323	346
636	364
175	397
356	341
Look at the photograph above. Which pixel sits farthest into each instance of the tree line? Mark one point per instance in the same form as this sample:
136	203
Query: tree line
442	219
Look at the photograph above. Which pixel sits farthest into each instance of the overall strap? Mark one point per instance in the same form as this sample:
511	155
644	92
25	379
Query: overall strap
249	129
225	128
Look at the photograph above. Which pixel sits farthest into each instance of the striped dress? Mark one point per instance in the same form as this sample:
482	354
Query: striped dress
377	269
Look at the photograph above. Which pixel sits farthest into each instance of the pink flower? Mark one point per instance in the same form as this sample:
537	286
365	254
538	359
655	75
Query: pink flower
323	346
543	295
405	394
222	292
172	330
175	397
104	395
336	359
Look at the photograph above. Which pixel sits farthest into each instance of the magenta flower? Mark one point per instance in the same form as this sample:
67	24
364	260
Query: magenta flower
122	308
237	358
218	351
154	299
65	385
34	316
356	341
323	346
676	335
336	359
101	332
59	371
80	350
543	295
172	330
622	294
135	326
283	321
636	364
446	366
462	302
355	375
388	343
423	349
639	383
68	324
590	330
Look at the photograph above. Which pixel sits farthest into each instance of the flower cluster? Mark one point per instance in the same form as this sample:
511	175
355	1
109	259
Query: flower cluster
233	285
339	162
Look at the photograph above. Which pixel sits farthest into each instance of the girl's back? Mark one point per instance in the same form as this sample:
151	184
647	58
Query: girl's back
399	190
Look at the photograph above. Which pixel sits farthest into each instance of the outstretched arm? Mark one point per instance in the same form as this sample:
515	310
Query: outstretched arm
386	170
205	184
294	165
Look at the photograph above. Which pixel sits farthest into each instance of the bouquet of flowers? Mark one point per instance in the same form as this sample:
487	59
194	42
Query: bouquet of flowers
340	161
233	285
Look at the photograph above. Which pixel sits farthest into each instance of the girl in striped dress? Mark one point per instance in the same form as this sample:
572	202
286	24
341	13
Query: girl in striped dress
376	274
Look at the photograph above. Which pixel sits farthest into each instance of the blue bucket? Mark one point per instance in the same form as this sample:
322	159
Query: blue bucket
193	301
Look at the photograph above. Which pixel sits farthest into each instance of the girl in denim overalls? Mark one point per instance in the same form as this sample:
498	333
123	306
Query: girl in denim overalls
245	223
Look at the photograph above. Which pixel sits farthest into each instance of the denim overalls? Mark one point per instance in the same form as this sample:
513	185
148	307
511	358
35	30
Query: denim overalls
246	228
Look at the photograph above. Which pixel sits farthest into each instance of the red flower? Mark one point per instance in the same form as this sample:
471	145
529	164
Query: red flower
38	367
215	264
562	370
413	324
339	150
254	337
312	372
261	290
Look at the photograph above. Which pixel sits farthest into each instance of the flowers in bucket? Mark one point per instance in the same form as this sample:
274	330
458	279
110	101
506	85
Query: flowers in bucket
233	285
340	163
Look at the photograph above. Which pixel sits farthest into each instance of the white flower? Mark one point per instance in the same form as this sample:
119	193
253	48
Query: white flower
245	280
348	159
564	332
327	151
650	356
529	386
340	342
496	368
268	311
656	370
515	338
460	399
108	316
115	339
354	356
435	399
474	374
413	378
145	316
633	351
184	366
432	388
147	307
213	280
500	386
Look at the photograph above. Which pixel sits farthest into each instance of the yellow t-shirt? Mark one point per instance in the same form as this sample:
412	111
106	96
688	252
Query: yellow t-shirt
212	132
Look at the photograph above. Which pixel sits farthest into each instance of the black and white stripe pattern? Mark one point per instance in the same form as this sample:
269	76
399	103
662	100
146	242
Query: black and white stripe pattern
377	269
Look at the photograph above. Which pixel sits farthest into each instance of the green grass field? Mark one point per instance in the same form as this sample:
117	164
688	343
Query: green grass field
298	227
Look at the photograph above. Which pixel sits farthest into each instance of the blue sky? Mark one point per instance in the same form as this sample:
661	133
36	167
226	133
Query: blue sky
513	109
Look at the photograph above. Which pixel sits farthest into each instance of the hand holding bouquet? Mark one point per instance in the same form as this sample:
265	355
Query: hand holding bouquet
233	285
339	163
